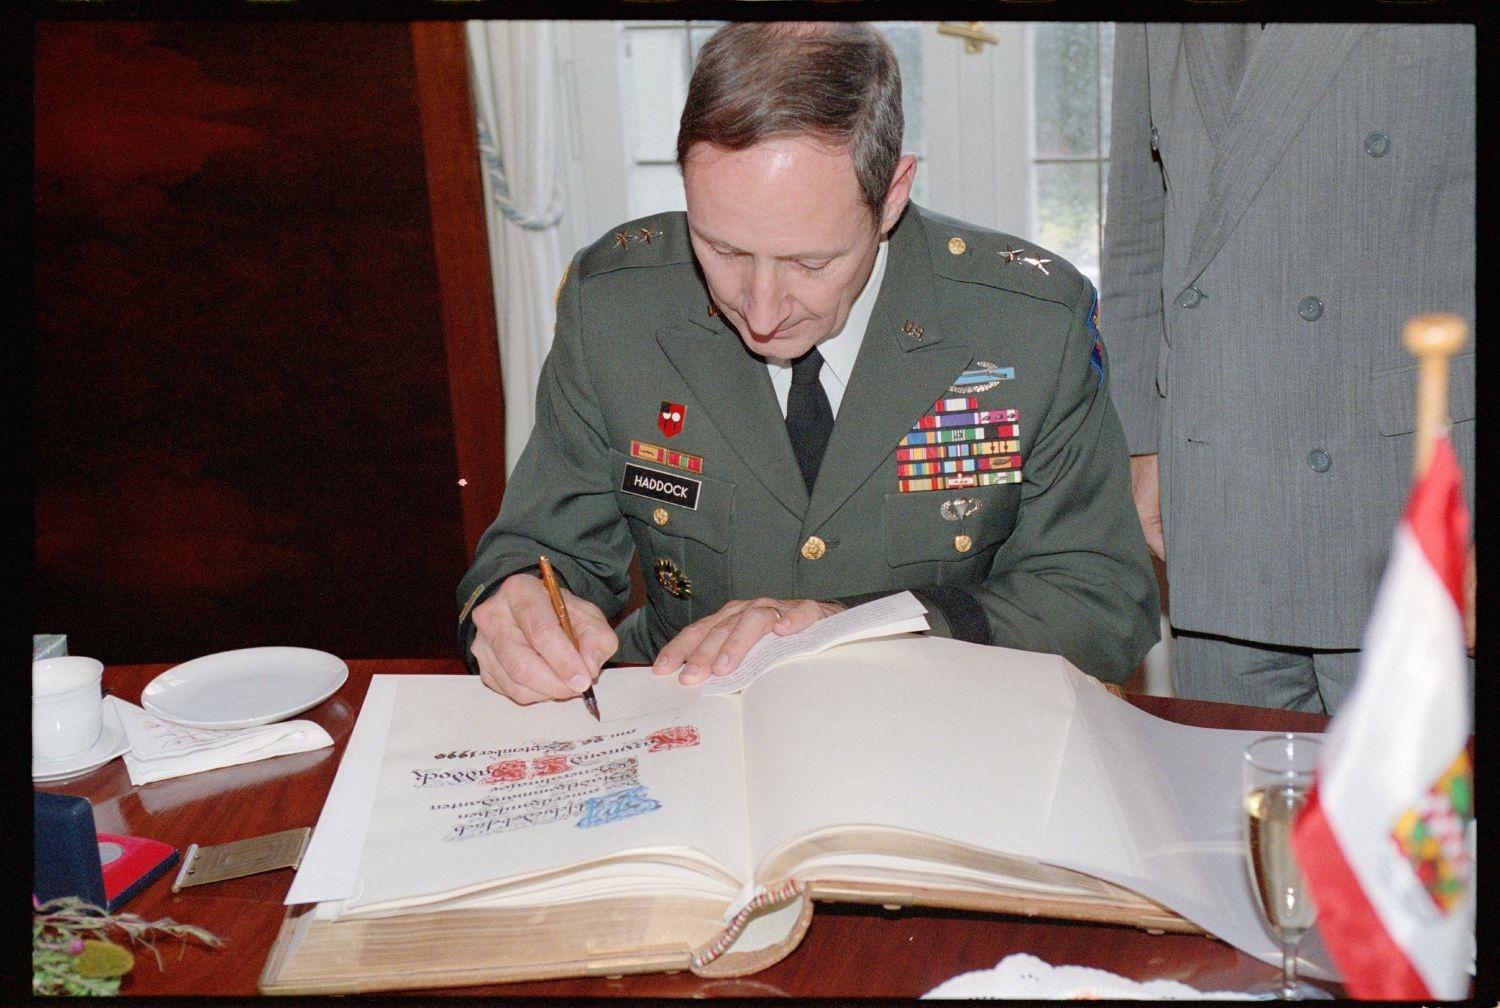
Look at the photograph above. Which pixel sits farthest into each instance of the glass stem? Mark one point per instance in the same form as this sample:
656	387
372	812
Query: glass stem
1289	969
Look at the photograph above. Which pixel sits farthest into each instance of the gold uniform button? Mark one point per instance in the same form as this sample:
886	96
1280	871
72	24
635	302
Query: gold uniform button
660	516
963	543
957	246
813	548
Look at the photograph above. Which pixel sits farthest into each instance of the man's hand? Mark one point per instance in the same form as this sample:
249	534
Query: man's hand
1145	487
523	652
716	644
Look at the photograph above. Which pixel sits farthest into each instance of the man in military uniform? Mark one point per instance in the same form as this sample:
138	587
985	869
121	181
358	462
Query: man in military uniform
699	360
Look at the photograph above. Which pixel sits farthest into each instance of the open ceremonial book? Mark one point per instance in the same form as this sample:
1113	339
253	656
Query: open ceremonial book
468	840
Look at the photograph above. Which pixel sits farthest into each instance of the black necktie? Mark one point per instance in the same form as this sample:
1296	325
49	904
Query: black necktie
809	418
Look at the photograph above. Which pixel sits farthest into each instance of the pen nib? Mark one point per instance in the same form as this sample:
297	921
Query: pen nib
591	702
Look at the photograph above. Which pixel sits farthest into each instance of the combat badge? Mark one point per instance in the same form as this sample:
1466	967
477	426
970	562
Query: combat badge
671	577
982	377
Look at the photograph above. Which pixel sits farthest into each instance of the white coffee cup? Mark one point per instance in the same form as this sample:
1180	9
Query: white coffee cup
67	706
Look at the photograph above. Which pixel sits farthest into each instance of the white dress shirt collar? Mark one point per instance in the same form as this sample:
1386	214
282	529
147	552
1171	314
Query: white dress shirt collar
839	350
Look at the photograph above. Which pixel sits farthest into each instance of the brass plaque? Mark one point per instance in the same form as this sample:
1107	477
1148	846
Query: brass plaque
242	857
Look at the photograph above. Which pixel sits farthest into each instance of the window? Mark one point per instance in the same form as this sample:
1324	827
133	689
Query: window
658	58
1071	71
1033	108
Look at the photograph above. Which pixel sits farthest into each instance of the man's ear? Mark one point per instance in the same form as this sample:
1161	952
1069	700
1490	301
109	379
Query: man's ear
898	192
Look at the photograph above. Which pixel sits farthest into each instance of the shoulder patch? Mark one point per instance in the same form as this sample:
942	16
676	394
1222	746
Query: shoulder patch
1096	354
557	294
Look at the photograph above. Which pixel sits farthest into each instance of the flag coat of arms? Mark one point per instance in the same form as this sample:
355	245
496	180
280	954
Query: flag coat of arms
1383	841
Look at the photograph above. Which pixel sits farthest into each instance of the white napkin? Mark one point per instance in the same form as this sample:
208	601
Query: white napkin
160	749
1025	976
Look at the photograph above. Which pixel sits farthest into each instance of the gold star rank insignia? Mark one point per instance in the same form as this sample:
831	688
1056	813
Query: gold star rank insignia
648	236
622	239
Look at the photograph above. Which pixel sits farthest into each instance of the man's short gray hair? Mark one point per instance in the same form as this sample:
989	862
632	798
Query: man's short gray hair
837	82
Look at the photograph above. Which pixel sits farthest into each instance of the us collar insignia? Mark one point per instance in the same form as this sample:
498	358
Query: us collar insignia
671	577
982	377
913	330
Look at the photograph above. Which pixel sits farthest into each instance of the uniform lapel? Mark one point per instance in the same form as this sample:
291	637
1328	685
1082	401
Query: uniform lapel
1289	70
897	376
733	388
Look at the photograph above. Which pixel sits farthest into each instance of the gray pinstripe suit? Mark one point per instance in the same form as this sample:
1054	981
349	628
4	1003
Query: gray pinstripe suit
1267	239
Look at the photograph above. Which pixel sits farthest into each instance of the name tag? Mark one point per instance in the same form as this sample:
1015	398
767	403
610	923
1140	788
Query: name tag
661	486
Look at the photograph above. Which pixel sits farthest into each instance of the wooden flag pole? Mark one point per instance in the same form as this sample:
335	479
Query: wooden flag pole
1432	339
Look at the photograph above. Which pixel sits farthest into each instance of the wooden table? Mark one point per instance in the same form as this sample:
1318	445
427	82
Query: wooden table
850	951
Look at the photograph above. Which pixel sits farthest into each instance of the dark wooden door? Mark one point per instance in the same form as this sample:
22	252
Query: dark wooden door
246	331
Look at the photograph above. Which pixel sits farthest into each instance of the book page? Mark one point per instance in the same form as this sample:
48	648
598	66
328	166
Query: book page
882	617
1169	797
1007	751
475	792
920	734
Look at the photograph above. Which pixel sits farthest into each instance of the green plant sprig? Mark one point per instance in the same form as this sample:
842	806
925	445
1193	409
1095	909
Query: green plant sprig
71	952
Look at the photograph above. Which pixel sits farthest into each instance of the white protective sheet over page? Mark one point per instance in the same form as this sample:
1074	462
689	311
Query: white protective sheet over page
1169	796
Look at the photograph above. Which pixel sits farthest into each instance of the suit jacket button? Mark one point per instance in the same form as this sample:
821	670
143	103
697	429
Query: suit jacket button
660	516
957	246
1319	461
1310	308
813	548
1190	297
1377	144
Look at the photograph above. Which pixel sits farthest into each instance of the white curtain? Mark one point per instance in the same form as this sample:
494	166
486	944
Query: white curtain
516	104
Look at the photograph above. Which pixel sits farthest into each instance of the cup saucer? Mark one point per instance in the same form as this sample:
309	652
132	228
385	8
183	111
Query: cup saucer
111	743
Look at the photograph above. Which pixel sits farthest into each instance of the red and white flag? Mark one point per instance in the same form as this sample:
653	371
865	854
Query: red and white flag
1382	843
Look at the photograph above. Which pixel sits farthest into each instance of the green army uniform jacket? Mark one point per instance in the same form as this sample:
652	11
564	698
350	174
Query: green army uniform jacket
976	458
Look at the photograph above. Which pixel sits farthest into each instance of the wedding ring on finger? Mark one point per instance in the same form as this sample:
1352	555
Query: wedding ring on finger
779	614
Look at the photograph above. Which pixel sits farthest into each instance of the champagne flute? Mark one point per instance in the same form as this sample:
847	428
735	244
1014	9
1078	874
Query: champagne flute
1278	779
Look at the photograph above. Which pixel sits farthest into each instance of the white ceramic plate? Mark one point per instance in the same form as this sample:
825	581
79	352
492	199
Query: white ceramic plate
244	688
112	742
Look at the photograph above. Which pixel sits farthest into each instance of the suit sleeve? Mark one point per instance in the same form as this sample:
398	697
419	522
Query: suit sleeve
1130	295
559	501
1074	577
